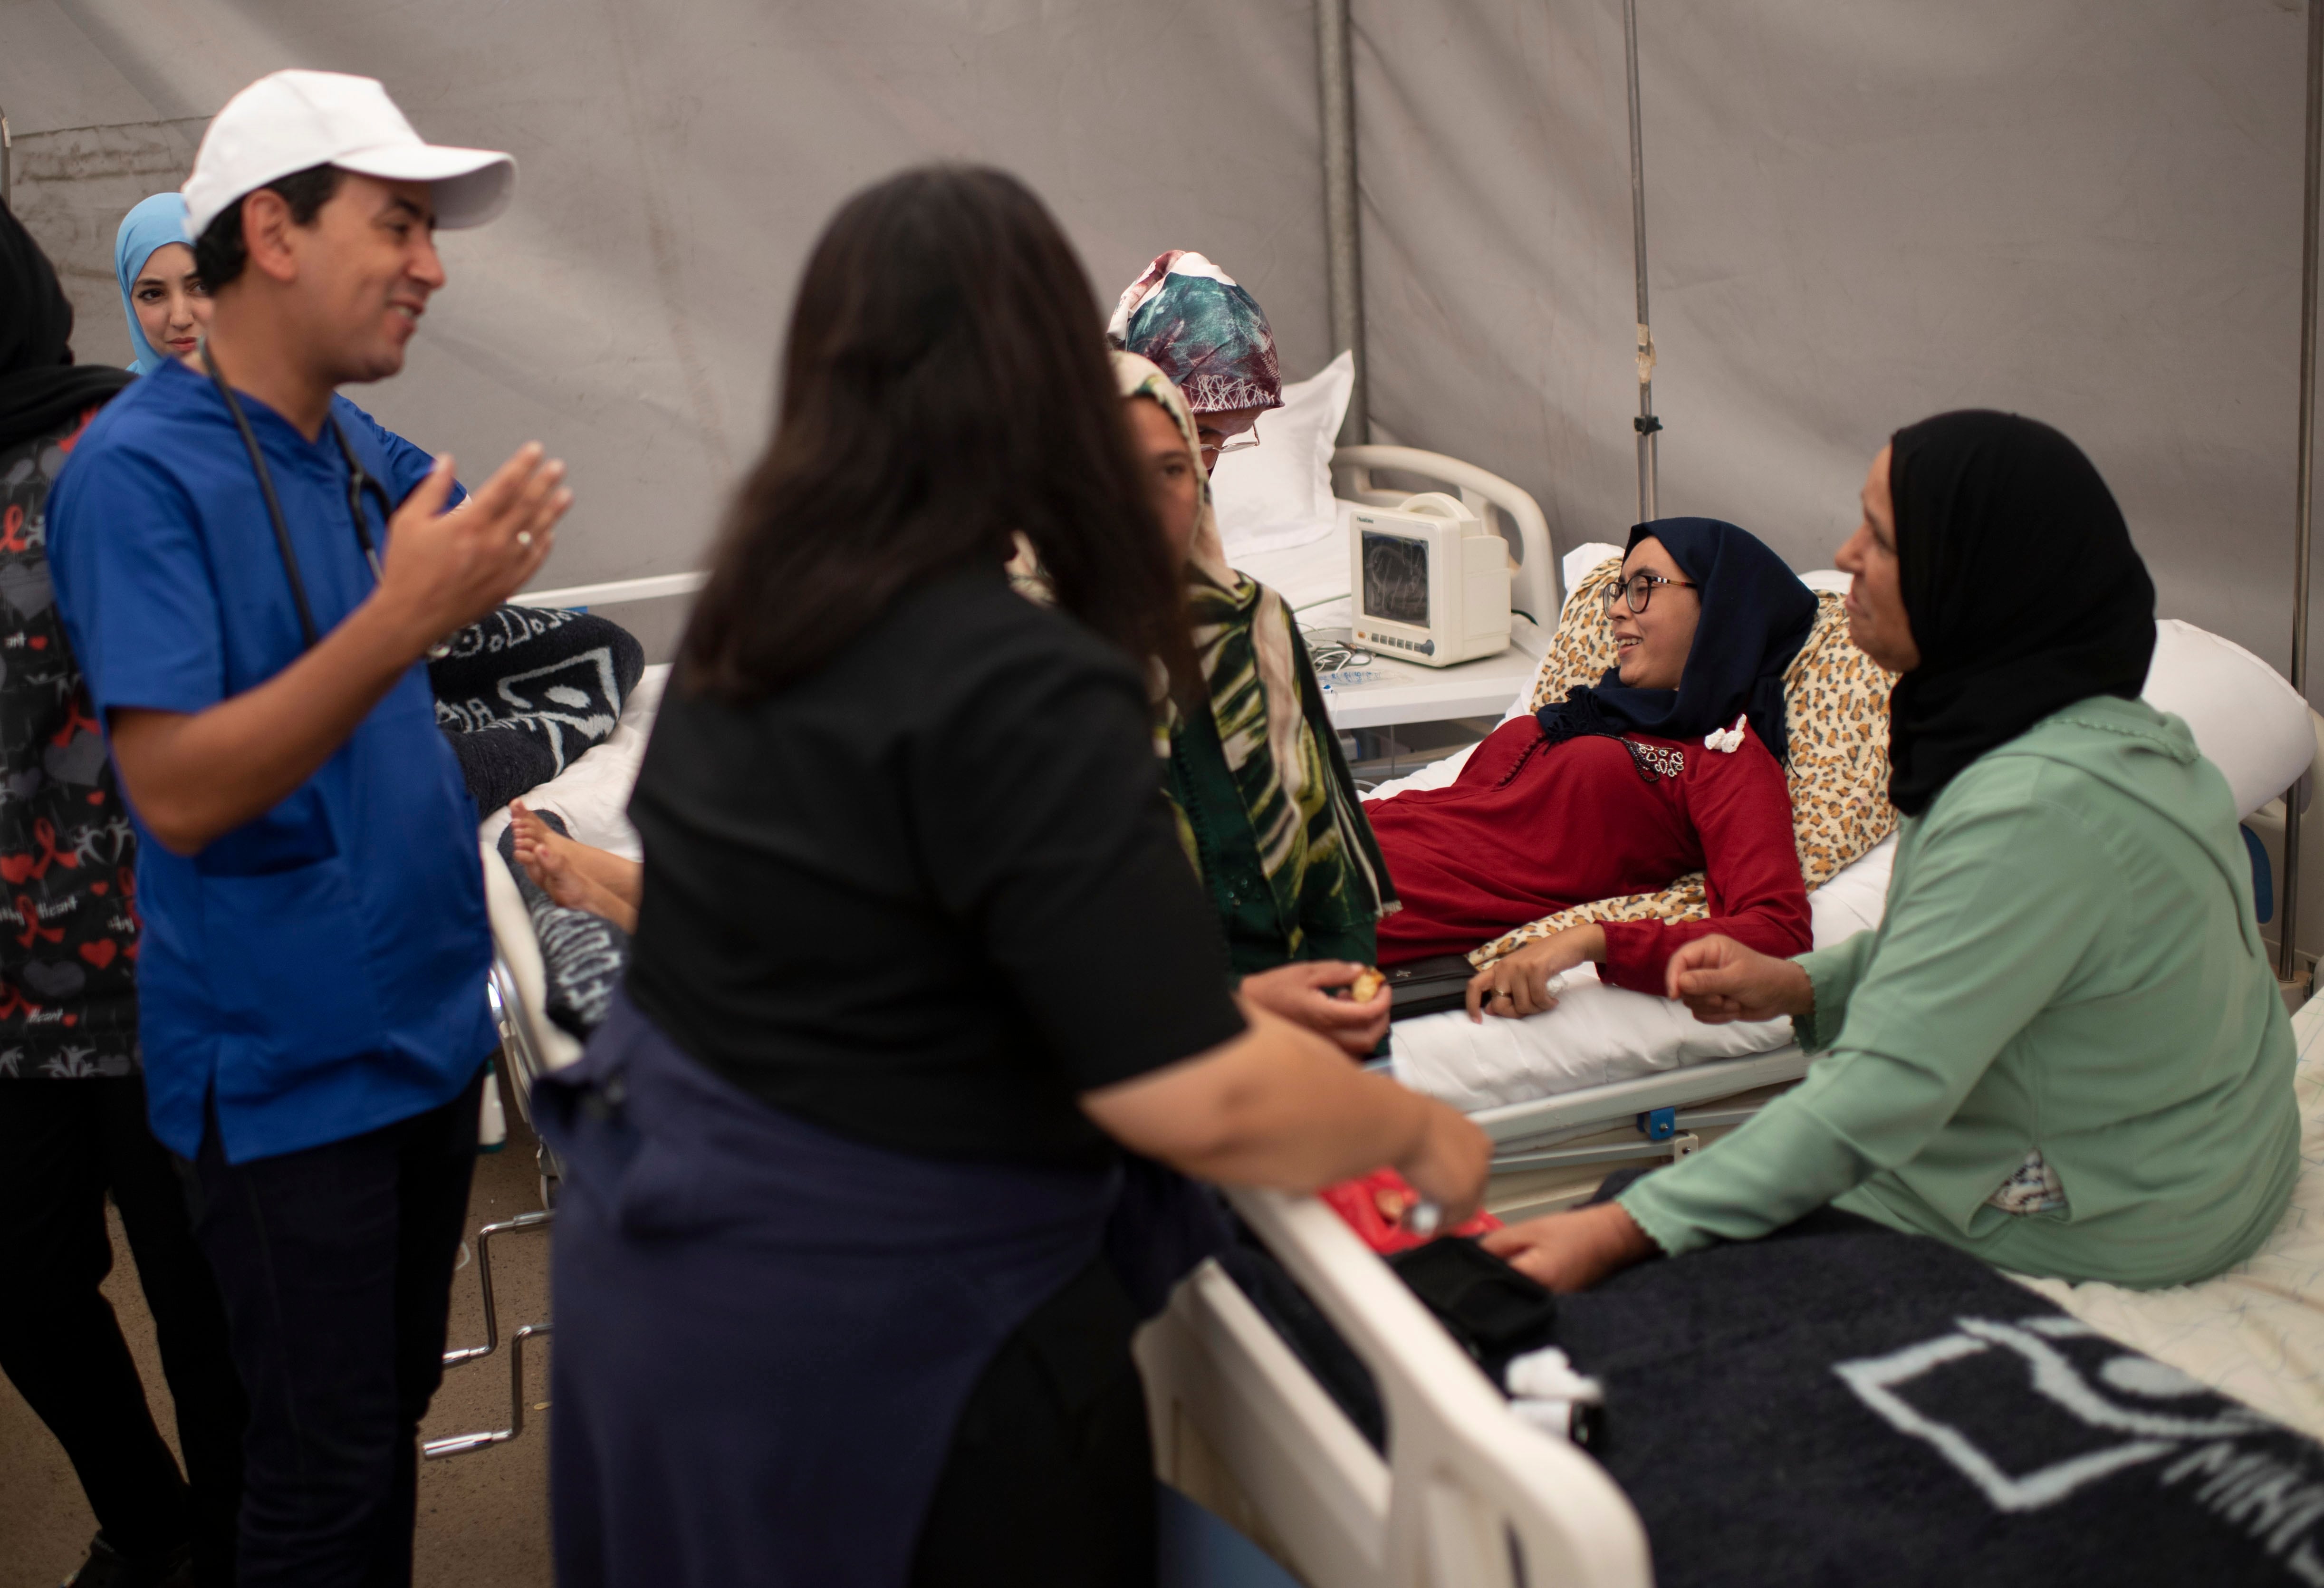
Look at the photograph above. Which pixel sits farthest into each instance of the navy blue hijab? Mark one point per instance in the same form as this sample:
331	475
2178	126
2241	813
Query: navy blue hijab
1756	616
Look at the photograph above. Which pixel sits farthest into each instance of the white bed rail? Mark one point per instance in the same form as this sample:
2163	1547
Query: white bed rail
1534	584
615	592
1469	1492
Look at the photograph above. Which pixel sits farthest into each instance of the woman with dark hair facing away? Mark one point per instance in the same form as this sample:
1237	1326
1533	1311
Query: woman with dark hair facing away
2062	1049
1669	764
844	1267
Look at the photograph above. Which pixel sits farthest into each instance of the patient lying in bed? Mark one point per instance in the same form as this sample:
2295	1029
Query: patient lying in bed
1669	765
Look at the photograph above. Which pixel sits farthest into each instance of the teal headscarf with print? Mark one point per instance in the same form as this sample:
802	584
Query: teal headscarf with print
1202	331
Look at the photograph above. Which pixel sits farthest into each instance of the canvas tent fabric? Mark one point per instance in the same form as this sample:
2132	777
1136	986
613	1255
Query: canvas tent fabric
1855	217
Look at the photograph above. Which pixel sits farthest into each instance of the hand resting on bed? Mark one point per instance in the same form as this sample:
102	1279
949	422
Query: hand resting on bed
1517	984
1572	1250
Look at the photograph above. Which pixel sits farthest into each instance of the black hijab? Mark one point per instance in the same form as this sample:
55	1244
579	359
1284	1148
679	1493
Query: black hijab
40	387
1756	616
2022	586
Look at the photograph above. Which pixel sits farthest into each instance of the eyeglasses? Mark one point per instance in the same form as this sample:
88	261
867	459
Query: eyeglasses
1242	443
1639	589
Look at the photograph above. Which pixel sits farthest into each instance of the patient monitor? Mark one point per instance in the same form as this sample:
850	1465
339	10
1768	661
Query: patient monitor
1431	581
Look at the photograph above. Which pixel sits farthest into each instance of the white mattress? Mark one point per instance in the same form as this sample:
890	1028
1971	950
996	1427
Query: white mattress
2256	1332
1596	1034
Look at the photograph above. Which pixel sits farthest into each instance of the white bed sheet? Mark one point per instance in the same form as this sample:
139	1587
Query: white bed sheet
2255	1331
592	794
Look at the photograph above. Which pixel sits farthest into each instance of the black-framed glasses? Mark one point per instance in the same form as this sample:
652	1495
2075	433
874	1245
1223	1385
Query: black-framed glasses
1639	589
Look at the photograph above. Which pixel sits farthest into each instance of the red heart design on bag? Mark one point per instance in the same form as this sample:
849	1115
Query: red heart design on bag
15	868
100	953
97	798
98	888
38	641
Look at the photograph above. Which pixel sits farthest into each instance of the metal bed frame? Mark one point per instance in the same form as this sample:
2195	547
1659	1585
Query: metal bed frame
523	1052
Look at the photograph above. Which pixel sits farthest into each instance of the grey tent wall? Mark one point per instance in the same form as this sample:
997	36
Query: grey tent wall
2078	209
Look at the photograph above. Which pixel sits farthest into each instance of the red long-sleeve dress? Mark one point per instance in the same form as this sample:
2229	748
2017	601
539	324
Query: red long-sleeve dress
1529	828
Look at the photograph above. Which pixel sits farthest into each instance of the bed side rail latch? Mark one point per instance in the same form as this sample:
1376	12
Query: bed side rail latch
1658	1124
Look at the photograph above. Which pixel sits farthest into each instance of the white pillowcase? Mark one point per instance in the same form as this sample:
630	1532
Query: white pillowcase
1279	494
2246	720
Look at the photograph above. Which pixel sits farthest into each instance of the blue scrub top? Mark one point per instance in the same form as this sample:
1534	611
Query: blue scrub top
320	971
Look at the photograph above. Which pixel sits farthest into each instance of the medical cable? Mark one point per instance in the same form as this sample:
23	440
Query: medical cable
274	502
359	483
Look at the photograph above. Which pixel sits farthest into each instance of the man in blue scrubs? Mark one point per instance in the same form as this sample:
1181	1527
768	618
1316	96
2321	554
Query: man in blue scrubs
311	983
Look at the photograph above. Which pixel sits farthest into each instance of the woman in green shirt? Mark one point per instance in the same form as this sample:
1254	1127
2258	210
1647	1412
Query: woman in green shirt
2062	1049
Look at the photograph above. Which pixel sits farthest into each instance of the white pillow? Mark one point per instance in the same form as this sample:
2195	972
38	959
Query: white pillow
2246	720
1279	494
1576	564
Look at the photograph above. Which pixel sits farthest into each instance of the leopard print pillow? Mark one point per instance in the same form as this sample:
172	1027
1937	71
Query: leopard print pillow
1836	708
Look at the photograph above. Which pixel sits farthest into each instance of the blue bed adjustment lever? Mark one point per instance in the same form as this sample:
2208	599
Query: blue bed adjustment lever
1658	1124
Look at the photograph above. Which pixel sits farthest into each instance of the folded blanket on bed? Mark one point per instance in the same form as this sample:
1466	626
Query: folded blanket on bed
582	955
526	690
1841	1404
1836	712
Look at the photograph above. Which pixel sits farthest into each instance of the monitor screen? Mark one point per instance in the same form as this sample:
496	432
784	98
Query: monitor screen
1395	578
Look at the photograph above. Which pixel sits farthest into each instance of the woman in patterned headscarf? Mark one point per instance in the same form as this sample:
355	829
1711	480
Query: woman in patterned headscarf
1266	807
1208	338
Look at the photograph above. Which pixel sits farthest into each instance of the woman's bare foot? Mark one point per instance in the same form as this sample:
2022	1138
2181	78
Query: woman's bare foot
573	874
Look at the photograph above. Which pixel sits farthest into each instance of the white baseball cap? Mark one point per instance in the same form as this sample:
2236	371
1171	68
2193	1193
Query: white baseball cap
288	121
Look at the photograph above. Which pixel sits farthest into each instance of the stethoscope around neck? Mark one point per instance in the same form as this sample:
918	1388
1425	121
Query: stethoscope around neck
359	484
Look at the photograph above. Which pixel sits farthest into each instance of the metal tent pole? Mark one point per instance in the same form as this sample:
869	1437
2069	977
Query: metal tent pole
1343	242
1646	424
2288	948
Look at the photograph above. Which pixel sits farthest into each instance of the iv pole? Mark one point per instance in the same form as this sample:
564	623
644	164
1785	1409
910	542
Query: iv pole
1647	424
2288	949
1343	237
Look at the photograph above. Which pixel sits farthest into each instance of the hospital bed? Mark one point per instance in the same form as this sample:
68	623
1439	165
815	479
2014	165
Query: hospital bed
1458	1496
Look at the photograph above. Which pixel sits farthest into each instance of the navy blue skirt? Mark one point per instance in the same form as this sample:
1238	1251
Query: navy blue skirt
766	1333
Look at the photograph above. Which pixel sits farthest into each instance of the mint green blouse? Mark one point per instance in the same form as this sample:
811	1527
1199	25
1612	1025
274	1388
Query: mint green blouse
2069	962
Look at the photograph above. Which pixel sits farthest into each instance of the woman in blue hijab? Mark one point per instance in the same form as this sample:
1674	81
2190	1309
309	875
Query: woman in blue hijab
1670	763
166	303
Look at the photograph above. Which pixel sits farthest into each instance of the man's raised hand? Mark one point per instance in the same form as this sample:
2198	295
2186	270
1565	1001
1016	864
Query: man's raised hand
443	570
